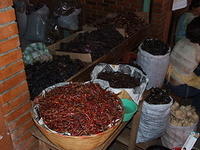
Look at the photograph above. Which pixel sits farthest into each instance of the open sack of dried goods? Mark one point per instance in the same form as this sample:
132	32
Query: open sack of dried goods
124	80
183	121
67	14
153	57
77	116
155	115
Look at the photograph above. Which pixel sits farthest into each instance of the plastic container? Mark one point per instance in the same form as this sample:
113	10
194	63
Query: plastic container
130	109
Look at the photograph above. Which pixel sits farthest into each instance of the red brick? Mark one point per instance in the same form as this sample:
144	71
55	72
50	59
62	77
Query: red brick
21	130
11	105
12	82
8	31
5	3
17	123
11	94
18	112
7	16
10	57
11	70
9	44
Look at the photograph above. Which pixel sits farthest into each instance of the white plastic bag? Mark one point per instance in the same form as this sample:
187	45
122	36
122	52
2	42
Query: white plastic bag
154	66
135	93
71	21
176	136
153	121
36	25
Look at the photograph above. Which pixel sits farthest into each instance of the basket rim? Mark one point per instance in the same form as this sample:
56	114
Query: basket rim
75	137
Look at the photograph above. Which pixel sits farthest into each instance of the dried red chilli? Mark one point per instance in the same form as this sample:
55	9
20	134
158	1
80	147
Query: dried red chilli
80	109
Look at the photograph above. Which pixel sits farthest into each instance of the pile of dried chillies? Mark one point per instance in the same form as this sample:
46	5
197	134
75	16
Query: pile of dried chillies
80	109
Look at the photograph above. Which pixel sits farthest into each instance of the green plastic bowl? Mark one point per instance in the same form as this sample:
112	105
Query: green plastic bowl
130	108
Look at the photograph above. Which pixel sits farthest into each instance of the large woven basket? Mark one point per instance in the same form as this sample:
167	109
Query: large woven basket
71	142
77	142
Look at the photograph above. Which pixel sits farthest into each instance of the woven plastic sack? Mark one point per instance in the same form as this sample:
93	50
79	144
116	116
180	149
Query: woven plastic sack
134	93
176	136
71	21
154	66
153	121
36	25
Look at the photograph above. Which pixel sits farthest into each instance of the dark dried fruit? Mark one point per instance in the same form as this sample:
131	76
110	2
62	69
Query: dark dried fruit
98	42
155	47
43	75
80	109
125	20
119	80
158	96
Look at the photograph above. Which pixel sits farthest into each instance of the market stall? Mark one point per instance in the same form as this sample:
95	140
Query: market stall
90	74
113	42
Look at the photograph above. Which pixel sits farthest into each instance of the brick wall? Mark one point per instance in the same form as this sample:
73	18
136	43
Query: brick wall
14	95
161	15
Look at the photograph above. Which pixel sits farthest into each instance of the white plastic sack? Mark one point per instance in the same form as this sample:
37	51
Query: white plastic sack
135	93
154	66
153	121
71	21
176	136
36	25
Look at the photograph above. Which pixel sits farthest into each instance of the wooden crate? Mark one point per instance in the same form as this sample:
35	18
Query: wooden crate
113	56
85	57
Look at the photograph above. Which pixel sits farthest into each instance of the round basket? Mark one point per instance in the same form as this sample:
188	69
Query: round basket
77	142
68	142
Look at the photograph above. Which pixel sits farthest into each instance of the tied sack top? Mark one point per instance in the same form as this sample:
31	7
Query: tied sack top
184	58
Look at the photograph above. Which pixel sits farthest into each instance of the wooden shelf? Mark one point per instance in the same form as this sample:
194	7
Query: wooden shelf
124	136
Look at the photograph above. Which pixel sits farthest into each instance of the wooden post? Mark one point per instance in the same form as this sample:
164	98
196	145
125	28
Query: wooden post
134	128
